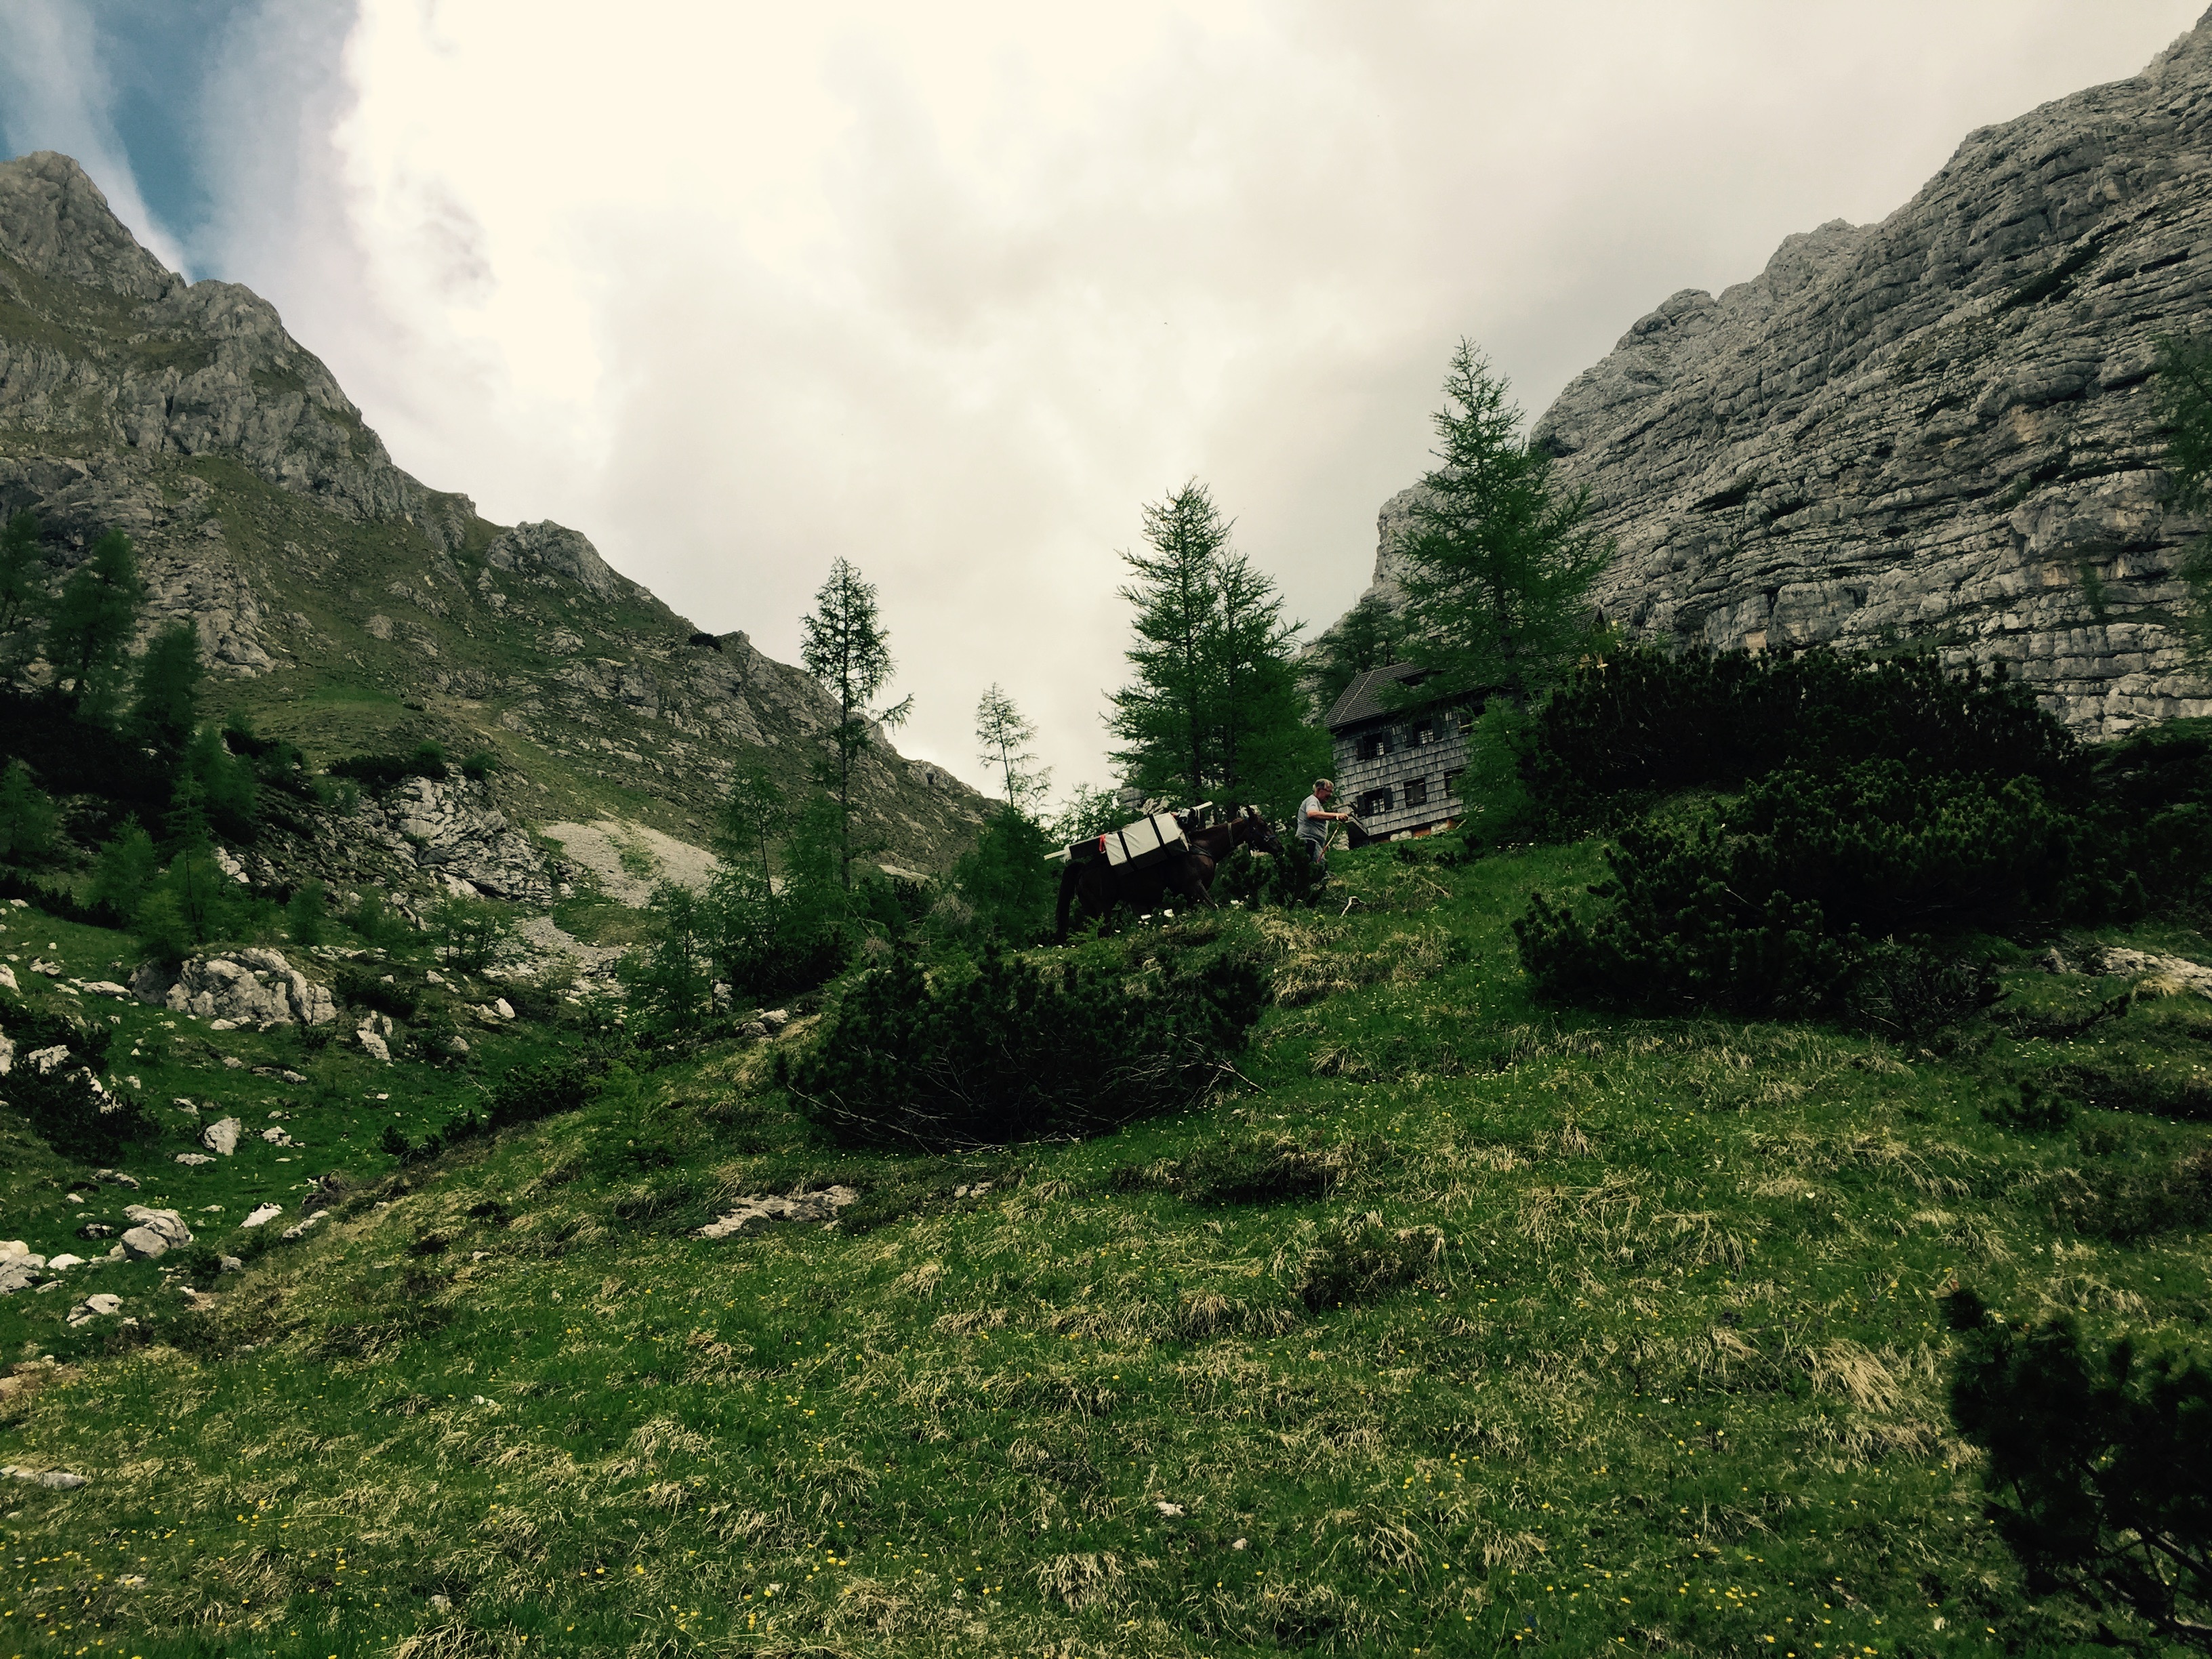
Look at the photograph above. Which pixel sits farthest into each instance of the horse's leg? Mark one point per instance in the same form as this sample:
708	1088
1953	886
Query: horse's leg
1193	874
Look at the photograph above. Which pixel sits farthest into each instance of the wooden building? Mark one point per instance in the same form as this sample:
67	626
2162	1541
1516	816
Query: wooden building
1398	771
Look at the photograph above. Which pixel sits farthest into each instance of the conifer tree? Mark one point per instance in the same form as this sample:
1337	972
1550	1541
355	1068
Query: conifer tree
1214	711
26	815
1163	717
1369	636
1004	738
1499	560
165	704
22	595
846	647
92	621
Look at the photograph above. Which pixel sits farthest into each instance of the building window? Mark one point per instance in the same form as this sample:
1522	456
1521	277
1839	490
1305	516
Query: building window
1417	792
1376	744
1425	732
1466	717
1451	783
1374	802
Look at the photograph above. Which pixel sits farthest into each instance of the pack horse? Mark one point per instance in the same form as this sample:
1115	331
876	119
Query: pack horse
1142	863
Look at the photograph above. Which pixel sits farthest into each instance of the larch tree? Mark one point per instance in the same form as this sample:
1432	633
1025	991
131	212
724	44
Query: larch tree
1004	738
1499	559
845	646
22	594
92	621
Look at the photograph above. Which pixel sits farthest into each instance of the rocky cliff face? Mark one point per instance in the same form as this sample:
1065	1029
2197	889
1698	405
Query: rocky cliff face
349	607
1936	429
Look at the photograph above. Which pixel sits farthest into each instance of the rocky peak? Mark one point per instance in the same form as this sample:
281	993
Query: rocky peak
549	549
56	224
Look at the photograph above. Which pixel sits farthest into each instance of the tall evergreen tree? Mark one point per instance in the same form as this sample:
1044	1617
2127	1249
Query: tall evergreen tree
844	646
1369	636
165	703
1004	738
1500	560
22	594
1258	713
1215	701
1161	719
26	815
753	817
92	621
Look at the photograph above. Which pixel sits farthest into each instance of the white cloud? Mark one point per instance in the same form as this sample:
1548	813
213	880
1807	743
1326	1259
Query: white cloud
951	290
55	94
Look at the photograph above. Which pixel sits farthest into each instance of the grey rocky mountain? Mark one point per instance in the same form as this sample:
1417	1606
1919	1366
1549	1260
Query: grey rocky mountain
1936	428
351	608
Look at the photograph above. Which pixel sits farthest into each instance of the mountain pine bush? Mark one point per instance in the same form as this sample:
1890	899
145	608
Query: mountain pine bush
2099	1465
1646	722
1770	904
1013	1052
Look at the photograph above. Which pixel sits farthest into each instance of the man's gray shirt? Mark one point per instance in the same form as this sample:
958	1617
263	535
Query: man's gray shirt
1310	827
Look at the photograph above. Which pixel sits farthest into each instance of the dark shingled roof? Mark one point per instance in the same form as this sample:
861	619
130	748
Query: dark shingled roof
1363	698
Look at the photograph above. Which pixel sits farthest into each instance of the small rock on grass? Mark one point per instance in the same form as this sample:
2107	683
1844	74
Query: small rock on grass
102	1306
53	1479
262	1214
759	1211
222	1136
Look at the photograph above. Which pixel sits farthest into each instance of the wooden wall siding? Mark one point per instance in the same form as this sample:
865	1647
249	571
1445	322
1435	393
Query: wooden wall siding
1406	762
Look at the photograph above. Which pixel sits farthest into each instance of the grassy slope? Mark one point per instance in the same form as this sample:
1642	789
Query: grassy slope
1664	1368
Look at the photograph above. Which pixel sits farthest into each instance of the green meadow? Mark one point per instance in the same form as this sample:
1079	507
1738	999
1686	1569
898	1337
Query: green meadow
1447	1323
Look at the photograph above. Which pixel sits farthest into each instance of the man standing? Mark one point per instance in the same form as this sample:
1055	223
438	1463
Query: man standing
1314	820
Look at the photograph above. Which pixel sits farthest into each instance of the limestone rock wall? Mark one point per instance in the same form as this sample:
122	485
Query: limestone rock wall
1935	428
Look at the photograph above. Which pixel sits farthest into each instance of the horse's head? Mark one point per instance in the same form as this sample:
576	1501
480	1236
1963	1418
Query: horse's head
1253	830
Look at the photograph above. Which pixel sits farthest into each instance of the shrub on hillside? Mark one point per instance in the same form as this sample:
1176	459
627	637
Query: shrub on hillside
1772	903
362	988
380	774
1289	878
2099	1465
1646	722
71	1116
1011	1052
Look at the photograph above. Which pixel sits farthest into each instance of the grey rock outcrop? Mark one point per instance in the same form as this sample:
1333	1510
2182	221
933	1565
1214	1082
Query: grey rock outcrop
1934	429
155	1232
548	549
256	987
102	1305
454	829
221	1136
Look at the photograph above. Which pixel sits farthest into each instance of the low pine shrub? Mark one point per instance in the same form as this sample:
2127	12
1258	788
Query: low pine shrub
1012	1052
380	774
1646	722
73	1117
537	1089
1289	879
1771	903
1257	1169
1359	1259
2099	1465
360	987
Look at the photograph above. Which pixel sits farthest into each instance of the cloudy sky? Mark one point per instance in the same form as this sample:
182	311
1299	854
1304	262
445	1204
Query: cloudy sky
954	289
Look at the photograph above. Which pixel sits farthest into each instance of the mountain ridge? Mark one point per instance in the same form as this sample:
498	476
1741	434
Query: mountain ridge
344	604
